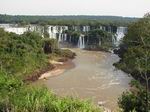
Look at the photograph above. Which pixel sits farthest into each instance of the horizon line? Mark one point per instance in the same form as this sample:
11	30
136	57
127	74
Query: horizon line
69	15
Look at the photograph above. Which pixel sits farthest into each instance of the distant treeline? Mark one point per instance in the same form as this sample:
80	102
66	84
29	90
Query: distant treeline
68	20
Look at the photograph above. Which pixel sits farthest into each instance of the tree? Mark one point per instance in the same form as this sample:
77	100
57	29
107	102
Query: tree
49	45
136	59
99	39
133	100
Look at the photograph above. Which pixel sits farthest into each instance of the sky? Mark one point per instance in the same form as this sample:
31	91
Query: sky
126	8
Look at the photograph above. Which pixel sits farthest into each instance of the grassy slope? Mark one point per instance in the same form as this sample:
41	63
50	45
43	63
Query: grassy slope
19	56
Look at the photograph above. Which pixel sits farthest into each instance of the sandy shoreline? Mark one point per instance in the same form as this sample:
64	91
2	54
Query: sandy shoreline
59	68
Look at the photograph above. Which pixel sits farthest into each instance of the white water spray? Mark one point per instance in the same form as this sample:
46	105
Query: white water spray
120	34
81	42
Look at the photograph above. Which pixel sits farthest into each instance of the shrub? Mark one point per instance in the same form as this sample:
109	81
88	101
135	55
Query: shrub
65	53
18	97
135	100
49	45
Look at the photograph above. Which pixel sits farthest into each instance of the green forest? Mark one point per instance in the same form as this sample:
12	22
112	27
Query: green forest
68	20
135	60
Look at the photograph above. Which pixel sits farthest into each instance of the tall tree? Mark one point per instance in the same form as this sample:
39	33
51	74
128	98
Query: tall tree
136	60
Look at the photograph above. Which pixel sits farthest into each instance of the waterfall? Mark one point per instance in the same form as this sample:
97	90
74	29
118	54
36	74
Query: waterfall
101	28
50	32
17	30
54	35
100	43
114	41
120	34
109	29
86	28
65	37
62	37
51	35
53	30
70	39
59	37
81	42
104	28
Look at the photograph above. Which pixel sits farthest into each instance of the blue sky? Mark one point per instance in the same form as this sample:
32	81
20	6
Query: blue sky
132	8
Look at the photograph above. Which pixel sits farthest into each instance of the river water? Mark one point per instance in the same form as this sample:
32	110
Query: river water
93	77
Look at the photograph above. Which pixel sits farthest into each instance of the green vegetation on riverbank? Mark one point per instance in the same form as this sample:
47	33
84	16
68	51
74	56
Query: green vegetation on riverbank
99	40
22	55
18	97
135	59
135	55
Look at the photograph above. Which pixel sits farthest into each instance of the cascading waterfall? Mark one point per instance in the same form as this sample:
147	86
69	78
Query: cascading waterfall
114	40
54	35
104	28
101	28
81	42
100	43
55	32
70	39
65	37
109	29
86	28
62	37
50	32
59	31
120	34
59	37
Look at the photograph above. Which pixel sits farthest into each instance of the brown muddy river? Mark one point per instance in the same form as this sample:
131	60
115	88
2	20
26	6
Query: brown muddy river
93	77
